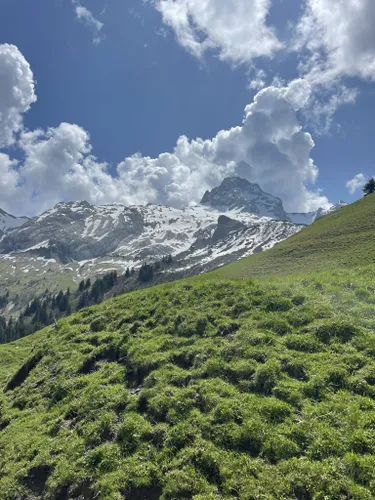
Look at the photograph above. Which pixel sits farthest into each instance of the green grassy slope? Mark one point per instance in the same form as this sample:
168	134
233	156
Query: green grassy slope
207	388
24	283
204	390
343	238
13	355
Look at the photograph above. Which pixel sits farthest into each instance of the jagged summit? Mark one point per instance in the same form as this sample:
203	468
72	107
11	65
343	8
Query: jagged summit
235	193
72	204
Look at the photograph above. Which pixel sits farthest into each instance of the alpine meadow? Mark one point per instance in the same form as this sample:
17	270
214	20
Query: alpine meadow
187	250
218	386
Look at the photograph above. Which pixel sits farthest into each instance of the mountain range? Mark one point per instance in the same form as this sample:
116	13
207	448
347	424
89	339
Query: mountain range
77	240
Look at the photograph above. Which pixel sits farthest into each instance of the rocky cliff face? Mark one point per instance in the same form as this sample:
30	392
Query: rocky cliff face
238	194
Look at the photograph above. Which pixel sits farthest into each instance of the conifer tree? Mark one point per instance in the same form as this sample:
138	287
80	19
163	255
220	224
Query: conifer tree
369	187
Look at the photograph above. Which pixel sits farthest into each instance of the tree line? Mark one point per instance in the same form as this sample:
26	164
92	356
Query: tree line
48	308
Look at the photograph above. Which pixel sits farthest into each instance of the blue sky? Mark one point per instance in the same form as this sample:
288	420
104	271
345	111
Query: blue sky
147	77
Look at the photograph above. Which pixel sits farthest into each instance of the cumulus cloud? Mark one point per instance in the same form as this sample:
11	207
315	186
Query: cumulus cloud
17	92
269	147
238	30
356	183
86	17
333	38
339	37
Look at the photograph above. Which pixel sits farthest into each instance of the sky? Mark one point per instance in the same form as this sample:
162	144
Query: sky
156	101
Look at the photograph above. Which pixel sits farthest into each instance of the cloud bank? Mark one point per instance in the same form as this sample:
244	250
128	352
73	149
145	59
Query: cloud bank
17	92
269	147
333	39
238	30
339	37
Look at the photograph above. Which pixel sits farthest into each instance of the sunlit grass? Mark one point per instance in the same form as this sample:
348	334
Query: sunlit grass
200	389
343	239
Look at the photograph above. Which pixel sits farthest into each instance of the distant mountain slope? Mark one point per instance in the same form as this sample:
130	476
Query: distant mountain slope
240	195
78	240
310	217
8	221
343	238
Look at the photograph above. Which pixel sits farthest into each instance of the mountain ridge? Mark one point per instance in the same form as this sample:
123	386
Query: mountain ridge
76	240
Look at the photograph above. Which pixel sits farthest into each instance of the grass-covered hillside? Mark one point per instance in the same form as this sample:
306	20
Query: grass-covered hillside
207	388
345	238
198	389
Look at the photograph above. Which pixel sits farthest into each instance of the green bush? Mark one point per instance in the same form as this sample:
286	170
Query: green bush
131	432
278	448
295	368
98	324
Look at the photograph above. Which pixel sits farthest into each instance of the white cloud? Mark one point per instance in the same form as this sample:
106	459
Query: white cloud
238	30
258	82
269	148
356	183
16	92
339	36
9	179
86	17
324	104
333	38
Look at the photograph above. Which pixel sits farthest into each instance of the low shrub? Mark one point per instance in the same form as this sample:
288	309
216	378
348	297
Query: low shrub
330	331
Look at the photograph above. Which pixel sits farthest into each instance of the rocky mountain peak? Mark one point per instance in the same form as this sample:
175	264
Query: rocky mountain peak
235	193
240	183
72	205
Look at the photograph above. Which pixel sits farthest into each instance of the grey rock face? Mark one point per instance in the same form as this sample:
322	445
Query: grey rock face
235	193
75	231
226	227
